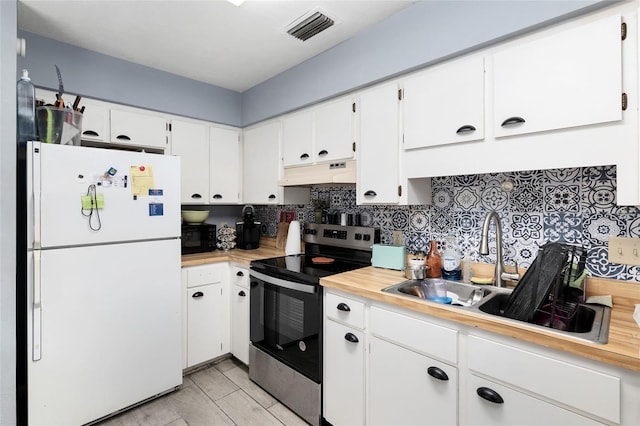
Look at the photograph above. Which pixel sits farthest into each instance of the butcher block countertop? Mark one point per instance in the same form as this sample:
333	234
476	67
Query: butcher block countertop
623	348
266	250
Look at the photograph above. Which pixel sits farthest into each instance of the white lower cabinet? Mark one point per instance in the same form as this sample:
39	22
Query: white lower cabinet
240	308
408	388
206	325
385	365
344	374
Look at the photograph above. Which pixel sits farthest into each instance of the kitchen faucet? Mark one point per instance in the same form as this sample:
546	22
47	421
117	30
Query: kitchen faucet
500	274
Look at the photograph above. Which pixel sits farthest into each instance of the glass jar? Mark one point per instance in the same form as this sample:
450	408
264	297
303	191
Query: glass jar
434	261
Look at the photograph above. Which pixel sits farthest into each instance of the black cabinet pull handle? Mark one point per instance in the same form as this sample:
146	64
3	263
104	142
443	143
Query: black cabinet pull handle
512	121
239	274
196	196
490	395
197	294
123	137
90	133
467	128
304	156
343	307
437	373
350	337
217	196
323	153
370	193
242	293
272	197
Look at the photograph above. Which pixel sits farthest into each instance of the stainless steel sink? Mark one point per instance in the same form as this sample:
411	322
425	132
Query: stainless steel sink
466	295
590	322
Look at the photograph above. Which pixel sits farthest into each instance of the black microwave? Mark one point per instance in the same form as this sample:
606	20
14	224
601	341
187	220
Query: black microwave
198	238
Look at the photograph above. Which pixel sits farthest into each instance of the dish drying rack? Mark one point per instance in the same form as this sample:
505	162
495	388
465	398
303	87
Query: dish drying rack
552	289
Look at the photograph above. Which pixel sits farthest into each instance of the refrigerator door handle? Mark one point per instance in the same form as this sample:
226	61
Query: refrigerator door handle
35	179
37	308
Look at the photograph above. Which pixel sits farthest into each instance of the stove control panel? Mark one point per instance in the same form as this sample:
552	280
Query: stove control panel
357	237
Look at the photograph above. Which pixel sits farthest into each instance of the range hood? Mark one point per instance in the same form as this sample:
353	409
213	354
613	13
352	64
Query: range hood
338	172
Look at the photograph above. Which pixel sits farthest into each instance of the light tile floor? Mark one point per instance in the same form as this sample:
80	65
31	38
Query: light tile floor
220	394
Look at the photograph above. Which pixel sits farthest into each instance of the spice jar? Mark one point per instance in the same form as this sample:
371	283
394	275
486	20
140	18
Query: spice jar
434	261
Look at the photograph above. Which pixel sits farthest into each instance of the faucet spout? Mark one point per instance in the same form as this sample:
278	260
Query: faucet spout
500	274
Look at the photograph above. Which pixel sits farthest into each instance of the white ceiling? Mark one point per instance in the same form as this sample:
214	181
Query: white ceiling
206	40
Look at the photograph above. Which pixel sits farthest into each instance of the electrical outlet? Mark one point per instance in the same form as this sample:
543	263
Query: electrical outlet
624	250
397	238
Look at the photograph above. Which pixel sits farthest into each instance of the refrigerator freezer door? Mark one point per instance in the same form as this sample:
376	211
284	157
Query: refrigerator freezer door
135	196
110	330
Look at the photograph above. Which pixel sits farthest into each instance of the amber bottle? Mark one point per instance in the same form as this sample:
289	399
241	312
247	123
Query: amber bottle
434	261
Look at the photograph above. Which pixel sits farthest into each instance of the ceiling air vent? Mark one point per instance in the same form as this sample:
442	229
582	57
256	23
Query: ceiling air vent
305	28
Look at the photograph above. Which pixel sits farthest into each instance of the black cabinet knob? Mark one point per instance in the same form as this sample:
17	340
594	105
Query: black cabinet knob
242	293
239	274
350	337
323	153
437	373
512	121
123	138
370	193
467	128
304	156
343	307
197	294
272	197
490	395
196	196
217	197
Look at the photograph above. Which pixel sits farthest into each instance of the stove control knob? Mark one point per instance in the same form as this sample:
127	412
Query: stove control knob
358	237
310	231
366	237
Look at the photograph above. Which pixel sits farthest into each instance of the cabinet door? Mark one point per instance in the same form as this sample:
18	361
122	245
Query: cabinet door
140	130
445	104
571	78
334	130
224	166
297	139
378	178
489	403
407	388
203	311
190	142
261	164
240	322
95	122
343	386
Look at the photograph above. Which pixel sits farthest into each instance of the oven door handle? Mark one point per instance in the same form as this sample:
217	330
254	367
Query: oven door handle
311	289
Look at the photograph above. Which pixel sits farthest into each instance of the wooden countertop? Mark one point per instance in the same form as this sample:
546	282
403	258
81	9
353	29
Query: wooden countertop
622	349
266	250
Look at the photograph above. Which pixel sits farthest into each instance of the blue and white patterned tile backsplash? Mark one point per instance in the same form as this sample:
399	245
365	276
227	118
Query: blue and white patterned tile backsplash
575	206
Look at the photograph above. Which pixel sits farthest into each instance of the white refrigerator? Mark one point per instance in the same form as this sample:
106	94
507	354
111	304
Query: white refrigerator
103	281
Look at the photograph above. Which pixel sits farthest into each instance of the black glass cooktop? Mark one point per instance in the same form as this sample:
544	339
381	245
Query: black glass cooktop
305	268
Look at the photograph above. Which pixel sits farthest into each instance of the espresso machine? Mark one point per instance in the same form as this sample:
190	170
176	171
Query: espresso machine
248	230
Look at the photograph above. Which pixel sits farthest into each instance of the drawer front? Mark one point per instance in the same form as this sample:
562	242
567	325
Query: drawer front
205	274
344	309
422	336
584	389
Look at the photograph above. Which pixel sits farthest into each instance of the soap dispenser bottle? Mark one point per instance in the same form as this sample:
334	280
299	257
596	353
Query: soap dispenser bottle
451	258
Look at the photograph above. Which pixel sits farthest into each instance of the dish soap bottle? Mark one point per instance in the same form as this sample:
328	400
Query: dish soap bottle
26	106
451	258
434	261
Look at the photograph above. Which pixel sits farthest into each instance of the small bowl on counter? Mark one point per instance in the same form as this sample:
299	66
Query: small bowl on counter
194	217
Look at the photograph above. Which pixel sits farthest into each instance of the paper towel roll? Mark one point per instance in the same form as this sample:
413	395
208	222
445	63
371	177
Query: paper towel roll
293	239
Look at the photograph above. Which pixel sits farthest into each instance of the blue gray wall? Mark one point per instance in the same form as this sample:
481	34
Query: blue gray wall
98	76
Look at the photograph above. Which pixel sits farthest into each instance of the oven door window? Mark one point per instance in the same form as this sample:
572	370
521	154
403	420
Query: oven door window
286	324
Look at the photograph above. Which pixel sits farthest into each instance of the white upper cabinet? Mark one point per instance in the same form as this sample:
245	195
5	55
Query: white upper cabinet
378	167
297	136
190	141
261	164
444	104
566	79
334	130
140	130
95	121
319	134
225	167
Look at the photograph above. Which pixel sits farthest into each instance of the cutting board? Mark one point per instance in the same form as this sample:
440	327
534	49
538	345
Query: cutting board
283	228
